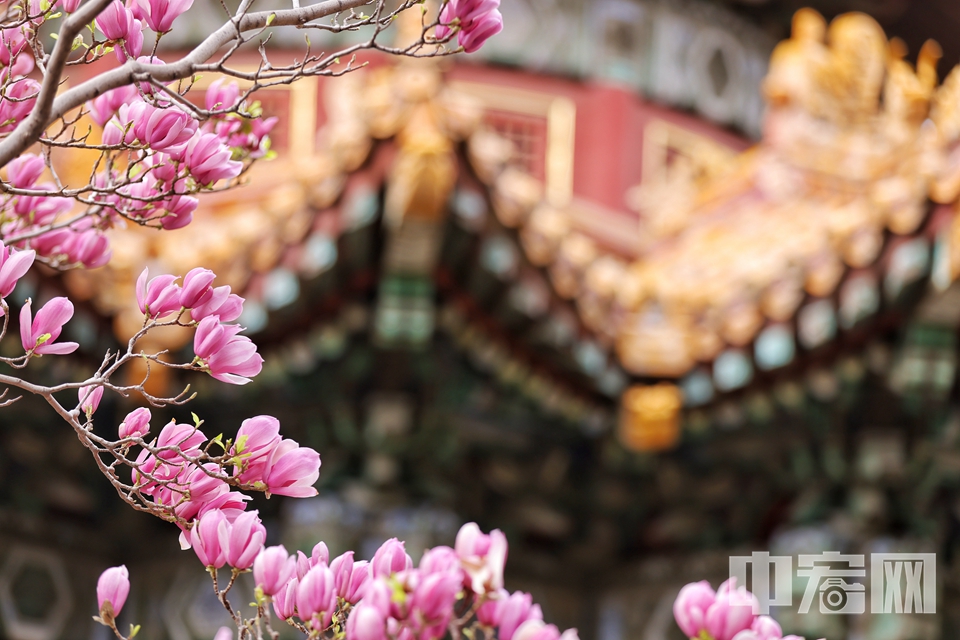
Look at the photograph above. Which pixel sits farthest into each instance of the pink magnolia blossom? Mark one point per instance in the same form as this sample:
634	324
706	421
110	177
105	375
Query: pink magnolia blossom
179	212
199	487
13	266
485	28
352	577
303	565
285	600
224	633
366	623
255	442
137	199
176	439
538	630
196	287
89	399
88	247
134	9
162	168
513	611
243	540
40	209
212	336
113	587
764	628
379	595
38	335
121	128
489	614
292	470
272	568
159	297
165	129
478	20
232	504
17	101
440	559
222	96
48	244
131	46
14	54
319	554
227	306
160	14
236	363
731	612
70	5
316	593
24	171
205	538
208	159
248	136
390	558
12	44
434	598
115	21
105	106
342	567
690	607
483	557
136	424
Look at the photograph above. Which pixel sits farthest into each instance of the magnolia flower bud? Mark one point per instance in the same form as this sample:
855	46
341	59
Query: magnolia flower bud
160	14
136	424
114	21
113	586
159	297
243	540
390	558
205	538
731	613
196	287
690	607
272	569
366	623
89	399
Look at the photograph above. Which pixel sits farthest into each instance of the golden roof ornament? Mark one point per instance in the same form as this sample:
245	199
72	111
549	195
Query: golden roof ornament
856	143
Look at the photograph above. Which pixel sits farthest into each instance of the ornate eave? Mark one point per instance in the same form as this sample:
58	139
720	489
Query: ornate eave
733	263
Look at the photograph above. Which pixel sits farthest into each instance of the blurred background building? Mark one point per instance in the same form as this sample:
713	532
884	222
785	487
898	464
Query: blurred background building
644	284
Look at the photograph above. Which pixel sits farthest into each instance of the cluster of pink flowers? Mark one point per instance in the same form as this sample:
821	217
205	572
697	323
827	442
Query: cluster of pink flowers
724	614
220	350
390	598
265	460
385	598
173	155
81	243
477	21
250	136
78	244
213	518
19	93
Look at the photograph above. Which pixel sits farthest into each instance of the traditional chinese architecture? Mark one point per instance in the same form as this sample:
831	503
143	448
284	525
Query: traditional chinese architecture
640	334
